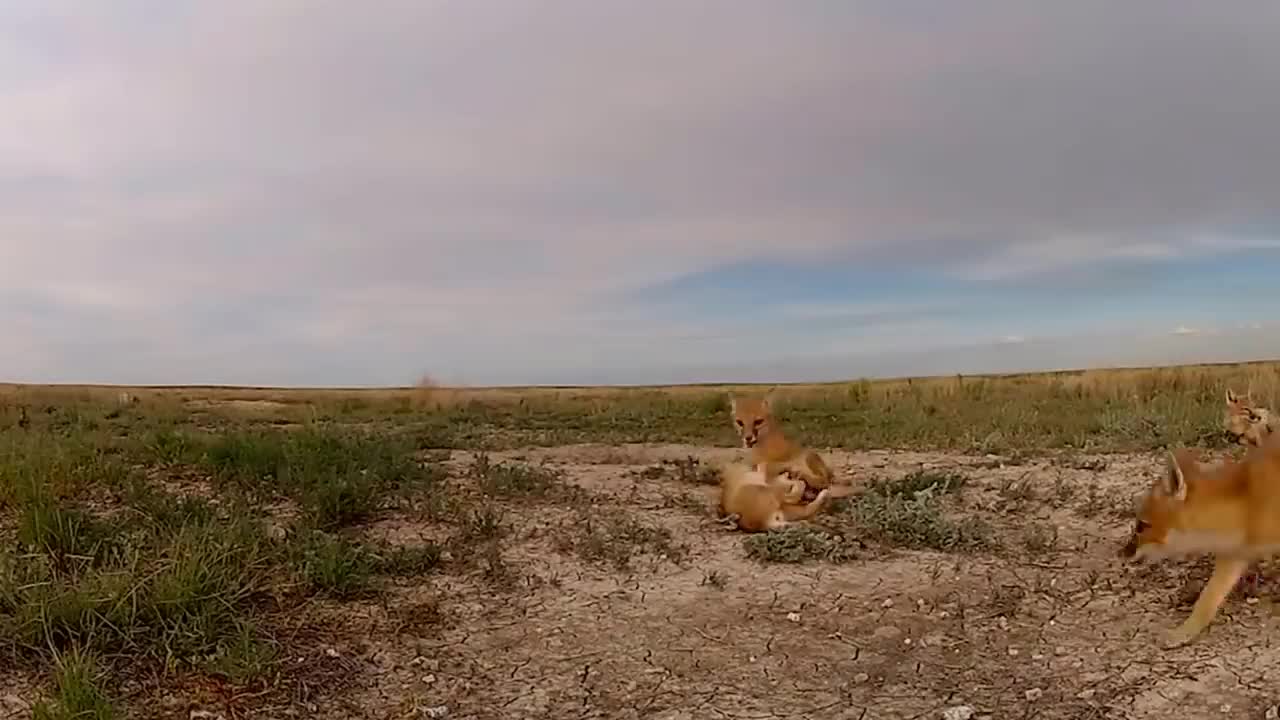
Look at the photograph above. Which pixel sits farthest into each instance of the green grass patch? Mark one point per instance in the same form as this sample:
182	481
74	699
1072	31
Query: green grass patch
338	477
515	480
77	691
334	565
800	544
910	512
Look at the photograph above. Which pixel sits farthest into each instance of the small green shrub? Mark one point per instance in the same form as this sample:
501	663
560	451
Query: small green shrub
77	695
799	544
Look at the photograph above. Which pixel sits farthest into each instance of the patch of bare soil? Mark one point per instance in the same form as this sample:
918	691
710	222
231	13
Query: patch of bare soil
1052	629
16	693
1051	625
1055	628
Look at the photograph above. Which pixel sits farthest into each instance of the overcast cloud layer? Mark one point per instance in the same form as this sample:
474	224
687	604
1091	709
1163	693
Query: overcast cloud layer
323	192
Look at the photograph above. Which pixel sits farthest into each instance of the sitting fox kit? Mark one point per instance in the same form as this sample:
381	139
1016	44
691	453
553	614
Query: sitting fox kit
1247	423
763	436
1231	510
760	503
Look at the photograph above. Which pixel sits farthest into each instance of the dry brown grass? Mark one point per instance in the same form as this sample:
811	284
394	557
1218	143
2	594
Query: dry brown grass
1108	410
1262	378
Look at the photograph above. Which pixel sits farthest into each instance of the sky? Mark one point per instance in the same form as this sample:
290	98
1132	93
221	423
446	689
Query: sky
328	193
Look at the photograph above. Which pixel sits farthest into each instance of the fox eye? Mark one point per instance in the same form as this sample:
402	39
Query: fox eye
738	423
757	422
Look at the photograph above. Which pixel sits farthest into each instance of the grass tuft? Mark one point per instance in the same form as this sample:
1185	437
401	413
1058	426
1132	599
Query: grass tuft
909	512
335	566
78	695
800	544
615	538
507	479
408	560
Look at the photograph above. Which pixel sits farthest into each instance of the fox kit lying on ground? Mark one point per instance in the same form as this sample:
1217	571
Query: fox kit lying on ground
1247	423
1231	510
761	504
762	435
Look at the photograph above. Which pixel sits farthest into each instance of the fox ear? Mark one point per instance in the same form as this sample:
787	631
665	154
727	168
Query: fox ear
1232	398
733	401
1174	484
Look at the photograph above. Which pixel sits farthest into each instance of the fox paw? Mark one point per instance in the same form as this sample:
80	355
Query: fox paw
730	521
1177	637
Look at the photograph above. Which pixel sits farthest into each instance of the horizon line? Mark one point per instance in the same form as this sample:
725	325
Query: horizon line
638	386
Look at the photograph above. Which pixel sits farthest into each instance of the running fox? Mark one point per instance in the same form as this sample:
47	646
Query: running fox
770	447
1247	423
1231	509
765	504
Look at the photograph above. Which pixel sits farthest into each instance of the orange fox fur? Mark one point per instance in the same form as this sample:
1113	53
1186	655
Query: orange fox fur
761	504
1249	424
1231	510
770	447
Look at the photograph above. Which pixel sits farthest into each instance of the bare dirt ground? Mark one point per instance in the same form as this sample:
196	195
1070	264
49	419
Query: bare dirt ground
1052	626
1066	631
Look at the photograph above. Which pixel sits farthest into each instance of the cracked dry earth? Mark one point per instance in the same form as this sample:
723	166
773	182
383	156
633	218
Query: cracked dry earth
1058	630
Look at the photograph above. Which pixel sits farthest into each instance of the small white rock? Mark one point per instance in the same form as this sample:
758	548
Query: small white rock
888	603
958	712
428	679
793	616
1226	708
861	678
1013	652
331	652
1273	713
1033	694
439	711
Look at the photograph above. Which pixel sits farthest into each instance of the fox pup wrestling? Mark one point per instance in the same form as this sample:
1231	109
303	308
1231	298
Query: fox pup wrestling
771	450
760	503
1247	423
1231	510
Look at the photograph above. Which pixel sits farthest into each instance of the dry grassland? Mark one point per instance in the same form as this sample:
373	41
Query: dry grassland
554	553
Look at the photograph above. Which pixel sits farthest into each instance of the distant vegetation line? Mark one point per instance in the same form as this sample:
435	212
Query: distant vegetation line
1051	373
1088	410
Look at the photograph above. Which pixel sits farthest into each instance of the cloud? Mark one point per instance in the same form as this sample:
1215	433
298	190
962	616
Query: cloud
338	193
1184	330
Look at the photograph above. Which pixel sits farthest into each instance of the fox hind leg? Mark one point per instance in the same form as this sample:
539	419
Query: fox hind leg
804	512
